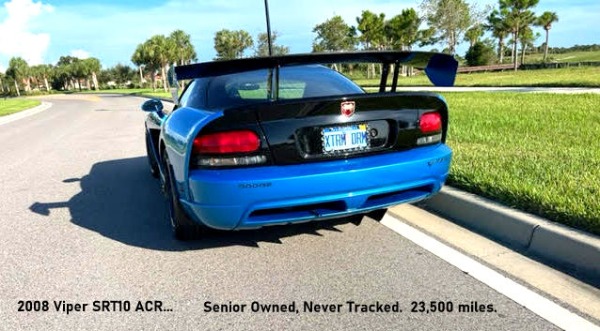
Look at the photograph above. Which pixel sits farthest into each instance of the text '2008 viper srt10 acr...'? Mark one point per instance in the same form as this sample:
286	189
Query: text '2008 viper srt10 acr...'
285	139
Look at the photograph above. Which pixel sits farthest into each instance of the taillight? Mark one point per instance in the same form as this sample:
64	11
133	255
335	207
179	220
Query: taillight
230	142
223	149
431	127
430	122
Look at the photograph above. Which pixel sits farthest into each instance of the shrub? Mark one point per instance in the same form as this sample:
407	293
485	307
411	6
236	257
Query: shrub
479	54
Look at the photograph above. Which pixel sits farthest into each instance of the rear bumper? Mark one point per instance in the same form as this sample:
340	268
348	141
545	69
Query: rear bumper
254	197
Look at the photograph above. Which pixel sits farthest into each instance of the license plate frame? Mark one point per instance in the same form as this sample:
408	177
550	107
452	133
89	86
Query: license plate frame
345	138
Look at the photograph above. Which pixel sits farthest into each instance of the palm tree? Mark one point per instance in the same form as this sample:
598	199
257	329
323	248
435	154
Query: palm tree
1	83
232	44
546	21
184	50
526	39
161	53
18	70
141	59
45	70
147	55
40	73
65	71
93	66
497	23
473	34
519	17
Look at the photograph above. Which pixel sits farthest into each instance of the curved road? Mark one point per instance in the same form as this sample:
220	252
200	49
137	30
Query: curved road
83	228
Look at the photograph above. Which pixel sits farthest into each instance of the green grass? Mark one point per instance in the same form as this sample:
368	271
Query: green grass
535	152
11	106
139	92
567	77
573	77
581	56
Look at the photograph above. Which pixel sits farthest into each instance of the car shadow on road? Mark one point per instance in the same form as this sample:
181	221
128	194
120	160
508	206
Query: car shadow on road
120	200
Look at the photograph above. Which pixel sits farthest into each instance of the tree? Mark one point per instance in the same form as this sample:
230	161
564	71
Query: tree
262	45
80	71
449	18
155	54
402	31
497	24
184	50
546	20
122	74
519	17
65	73
2	78
232	44
92	68
526	39
141	58
18	70
372	34
479	54
41	73
334	35
473	34
162	51
372	29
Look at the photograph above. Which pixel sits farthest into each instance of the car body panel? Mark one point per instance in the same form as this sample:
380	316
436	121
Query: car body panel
178	133
348	183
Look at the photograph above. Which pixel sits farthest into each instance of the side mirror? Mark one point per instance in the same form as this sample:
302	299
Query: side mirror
153	105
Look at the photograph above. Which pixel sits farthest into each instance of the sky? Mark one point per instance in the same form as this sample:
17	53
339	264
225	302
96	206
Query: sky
41	31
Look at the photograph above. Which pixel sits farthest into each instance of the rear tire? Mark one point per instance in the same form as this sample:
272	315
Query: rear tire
183	227
154	171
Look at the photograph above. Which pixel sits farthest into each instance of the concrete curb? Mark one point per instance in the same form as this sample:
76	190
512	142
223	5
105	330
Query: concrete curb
565	248
25	113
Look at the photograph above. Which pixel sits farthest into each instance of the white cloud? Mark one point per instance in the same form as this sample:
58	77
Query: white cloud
80	54
16	37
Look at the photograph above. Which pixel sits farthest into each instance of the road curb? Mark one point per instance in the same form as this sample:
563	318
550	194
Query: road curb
564	248
25	113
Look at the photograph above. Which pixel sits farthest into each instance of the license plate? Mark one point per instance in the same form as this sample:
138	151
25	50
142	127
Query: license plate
345	138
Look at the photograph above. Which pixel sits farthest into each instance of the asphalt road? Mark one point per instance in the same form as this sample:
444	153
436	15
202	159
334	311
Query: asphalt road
83	222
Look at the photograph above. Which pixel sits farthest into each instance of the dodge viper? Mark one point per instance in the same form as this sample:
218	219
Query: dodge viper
286	139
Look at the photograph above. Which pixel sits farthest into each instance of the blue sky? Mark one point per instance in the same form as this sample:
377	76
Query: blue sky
42	30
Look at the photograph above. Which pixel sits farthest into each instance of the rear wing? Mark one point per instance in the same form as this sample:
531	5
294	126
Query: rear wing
439	68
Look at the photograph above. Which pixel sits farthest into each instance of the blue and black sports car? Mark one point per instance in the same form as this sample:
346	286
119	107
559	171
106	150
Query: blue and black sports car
285	139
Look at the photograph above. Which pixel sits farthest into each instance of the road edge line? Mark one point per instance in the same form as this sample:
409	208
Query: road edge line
536	303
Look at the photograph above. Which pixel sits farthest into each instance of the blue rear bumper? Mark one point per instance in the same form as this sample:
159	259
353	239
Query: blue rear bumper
254	197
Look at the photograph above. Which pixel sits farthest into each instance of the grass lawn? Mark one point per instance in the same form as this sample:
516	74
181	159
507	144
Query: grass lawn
140	92
581	56
10	106
569	77
535	152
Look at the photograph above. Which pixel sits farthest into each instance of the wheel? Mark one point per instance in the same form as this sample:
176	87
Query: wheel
183	227
151	157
